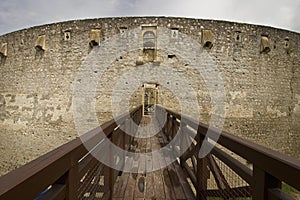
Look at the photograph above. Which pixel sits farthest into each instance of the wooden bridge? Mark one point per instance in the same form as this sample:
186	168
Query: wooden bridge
234	169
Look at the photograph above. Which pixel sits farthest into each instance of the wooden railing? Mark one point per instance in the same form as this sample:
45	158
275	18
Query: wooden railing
70	172
260	171
234	168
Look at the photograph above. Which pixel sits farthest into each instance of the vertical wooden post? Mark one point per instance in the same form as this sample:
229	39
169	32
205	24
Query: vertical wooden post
71	180
202	171
111	170
172	127
143	100
175	127
182	145
124	135
108	172
262	182
165	127
167	132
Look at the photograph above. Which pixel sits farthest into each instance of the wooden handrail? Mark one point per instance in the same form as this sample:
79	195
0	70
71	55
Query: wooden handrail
270	168
28	181
65	168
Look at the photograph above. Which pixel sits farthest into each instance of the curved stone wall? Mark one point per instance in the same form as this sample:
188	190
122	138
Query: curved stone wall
40	67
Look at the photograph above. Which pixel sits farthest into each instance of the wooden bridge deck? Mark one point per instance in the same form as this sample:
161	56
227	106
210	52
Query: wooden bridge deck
165	183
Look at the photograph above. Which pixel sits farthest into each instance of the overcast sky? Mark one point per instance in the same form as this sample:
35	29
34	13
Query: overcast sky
19	14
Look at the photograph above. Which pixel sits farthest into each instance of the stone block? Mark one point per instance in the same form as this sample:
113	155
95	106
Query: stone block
265	45
3	50
94	38
207	38
40	43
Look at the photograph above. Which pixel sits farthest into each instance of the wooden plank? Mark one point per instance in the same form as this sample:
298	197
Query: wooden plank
129	192
158	184
140	180
170	171
185	185
121	186
237	192
169	192
96	187
149	194
191	174
159	191
142	162
149	162
177	187
202	177
171	178
87	165
242	170
217	172
87	182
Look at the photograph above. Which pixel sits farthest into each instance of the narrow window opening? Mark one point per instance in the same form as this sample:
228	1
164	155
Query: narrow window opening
123	32
171	56
174	33
67	35
237	36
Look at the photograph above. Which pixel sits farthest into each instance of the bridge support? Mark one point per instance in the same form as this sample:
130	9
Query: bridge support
263	182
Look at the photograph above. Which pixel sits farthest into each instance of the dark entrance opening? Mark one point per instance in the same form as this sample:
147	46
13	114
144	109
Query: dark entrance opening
150	94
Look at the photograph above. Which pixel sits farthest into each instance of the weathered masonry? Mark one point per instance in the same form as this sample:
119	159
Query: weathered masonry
39	66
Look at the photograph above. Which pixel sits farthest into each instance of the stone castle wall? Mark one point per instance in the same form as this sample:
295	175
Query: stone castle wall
41	66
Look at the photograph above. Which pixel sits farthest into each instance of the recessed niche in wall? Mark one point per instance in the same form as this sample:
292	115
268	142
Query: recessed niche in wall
286	42
265	44
174	33
149	42
3	50
275	45
287	46
123	30
237	36
149	46
207	38
149	36
94	38
40	43
171	56
67	35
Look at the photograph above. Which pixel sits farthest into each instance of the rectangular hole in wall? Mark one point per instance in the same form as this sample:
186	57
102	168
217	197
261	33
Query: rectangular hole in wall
67	35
